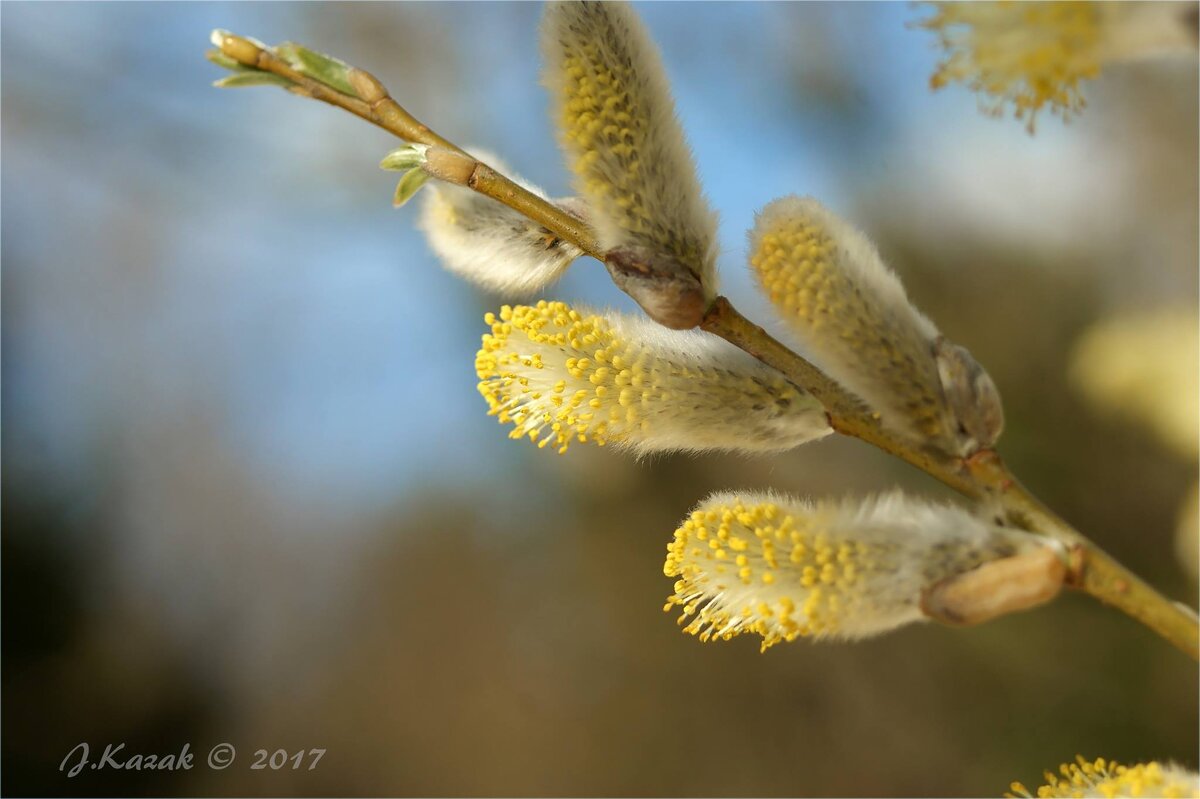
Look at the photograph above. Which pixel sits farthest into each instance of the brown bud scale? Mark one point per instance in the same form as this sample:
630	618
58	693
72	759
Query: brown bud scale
996	588
366	86
669	292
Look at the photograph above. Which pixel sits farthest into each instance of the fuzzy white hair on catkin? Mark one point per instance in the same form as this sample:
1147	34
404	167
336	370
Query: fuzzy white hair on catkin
860	258
886	357
619	128
561	375
911	544
490	244
710	412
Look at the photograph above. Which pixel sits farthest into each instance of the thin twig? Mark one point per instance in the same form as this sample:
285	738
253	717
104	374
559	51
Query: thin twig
1092	570
847	415
456	166
979	476
376	106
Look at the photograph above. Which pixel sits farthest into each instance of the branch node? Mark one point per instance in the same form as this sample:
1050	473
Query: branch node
367	86
450	166
668	291
996	588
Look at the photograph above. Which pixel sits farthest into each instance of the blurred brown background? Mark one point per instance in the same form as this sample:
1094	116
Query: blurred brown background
250	494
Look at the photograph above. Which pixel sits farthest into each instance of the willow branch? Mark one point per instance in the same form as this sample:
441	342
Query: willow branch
1091	569
458	167
847	415
981	476
373	104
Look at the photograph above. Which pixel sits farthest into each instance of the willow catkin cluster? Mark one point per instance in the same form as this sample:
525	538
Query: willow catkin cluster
490	244
783	568
622	140
558	375
1102	778
1030	56
856	322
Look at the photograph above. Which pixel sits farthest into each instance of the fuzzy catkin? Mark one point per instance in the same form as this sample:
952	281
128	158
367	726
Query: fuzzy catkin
857	324
783	567
621	136
490	244
560	375
1030	56
1102	778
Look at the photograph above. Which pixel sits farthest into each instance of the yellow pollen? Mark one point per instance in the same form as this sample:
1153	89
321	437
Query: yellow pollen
776	599
559	376
1104	778
1026	56
610	117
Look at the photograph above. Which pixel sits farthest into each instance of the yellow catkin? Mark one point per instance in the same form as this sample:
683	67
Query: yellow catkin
1027	56
828	282
622	140
1102	778
783	568
559	375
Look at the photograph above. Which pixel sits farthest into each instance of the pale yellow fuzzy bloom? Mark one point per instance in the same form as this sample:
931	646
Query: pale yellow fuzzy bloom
784	568
1101	778
1145	367
560	375
490	244
1032	55
856	323
621	137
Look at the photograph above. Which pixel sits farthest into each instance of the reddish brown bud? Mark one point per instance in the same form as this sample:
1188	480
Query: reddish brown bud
668	291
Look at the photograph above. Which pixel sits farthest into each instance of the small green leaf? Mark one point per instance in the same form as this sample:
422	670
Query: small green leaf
253	78
225	62
404	158
408	186
324	68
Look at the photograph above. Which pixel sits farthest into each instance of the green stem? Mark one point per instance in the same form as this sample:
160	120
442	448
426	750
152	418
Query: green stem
376	106
1092	570
847	415
455	166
